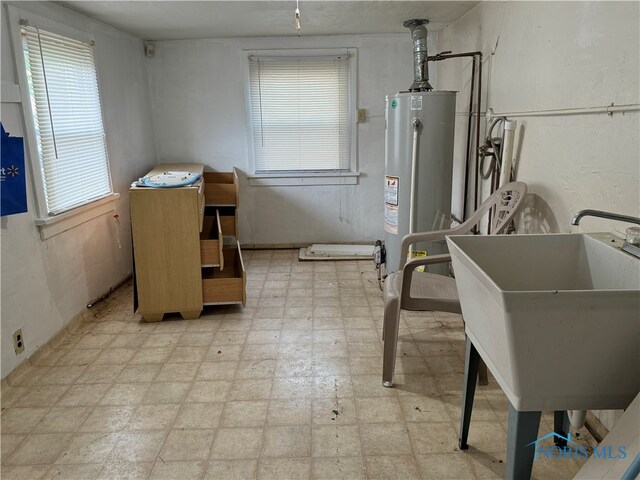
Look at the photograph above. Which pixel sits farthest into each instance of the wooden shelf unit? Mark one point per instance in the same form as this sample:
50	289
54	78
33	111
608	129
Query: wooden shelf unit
181	262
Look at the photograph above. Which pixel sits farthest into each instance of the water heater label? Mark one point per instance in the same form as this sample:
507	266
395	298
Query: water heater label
391	218
391	190
416	102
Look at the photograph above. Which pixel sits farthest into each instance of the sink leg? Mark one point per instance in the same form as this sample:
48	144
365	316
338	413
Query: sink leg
522	430
391	329
561	427
471	366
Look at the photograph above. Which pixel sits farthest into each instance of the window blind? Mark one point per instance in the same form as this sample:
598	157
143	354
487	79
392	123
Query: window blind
300	113
68	119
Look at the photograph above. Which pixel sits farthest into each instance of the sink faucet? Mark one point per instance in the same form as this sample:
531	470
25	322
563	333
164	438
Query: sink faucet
599	213
629	245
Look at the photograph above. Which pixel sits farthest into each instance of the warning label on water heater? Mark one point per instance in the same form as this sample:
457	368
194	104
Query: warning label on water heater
391	218
391	190
416	102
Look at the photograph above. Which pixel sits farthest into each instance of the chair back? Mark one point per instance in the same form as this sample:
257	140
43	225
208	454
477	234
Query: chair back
503	203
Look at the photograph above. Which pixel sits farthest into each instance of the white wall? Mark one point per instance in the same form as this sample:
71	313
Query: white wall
198	104
46	283
556	55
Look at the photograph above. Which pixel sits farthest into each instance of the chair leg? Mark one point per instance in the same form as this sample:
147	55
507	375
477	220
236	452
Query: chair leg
471	365
391	327
521	431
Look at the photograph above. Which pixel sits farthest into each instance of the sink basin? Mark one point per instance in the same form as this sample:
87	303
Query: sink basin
556	318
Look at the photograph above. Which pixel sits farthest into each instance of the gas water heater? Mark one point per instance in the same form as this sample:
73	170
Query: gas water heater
419	129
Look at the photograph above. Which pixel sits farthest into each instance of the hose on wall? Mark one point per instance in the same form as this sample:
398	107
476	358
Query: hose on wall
495	156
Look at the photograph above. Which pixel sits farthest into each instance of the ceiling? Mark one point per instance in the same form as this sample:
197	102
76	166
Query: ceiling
171	20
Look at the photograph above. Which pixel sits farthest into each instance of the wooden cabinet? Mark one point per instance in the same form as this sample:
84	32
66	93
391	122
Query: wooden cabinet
181	260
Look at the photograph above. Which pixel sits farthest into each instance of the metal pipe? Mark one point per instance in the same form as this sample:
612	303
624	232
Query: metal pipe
445	55
414	168
489	114
420	55
478	110
477	54
467	165
609	109
601	214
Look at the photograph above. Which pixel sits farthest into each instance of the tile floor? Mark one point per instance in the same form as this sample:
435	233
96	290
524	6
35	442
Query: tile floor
288	387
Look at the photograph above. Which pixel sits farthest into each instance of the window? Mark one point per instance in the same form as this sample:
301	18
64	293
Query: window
300	113
67	117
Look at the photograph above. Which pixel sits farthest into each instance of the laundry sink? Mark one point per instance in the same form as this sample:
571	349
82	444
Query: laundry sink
556	318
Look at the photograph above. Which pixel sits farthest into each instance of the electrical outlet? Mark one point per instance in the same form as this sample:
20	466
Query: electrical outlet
18	341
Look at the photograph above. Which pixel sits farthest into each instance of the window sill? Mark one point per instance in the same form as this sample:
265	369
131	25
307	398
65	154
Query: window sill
57	224
303	179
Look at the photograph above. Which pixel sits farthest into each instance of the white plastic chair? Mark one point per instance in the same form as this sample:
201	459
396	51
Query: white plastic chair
408	289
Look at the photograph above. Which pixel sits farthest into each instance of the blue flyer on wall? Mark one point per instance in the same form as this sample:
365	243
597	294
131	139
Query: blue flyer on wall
13	182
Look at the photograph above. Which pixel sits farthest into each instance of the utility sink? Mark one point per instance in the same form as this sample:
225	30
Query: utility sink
556	318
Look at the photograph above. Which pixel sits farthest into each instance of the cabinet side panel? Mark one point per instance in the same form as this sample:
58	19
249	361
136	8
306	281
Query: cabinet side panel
165	226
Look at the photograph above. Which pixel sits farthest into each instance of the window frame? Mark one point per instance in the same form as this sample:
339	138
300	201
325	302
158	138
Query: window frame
50	225
311	177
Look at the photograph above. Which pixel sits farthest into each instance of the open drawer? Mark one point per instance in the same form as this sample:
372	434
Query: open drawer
221	188
228	285
228	219
211	243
